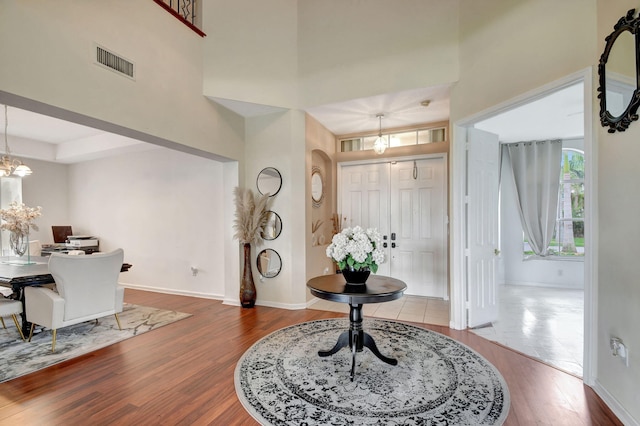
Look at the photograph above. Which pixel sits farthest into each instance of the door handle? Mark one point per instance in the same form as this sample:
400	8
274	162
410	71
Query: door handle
393	245
384	245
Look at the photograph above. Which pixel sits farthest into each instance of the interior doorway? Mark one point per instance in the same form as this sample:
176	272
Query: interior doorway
460	290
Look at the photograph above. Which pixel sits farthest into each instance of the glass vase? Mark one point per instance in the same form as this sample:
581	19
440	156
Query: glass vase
19	243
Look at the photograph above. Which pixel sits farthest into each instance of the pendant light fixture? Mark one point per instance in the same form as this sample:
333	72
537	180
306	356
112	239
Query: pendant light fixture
380	144
10	165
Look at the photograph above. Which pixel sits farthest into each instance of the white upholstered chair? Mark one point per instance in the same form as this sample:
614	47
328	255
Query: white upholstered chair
13	308
87	289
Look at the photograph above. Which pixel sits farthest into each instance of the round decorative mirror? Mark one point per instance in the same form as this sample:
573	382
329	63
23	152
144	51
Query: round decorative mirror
272	227
269	263
618	71
269	181
317	187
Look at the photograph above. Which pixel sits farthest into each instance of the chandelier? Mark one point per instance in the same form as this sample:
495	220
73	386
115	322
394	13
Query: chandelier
10	165
380	144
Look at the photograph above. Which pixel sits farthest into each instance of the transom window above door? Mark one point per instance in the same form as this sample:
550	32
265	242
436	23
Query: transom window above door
395	139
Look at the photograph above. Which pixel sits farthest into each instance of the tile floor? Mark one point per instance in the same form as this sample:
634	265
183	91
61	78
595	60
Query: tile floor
407	308
545	323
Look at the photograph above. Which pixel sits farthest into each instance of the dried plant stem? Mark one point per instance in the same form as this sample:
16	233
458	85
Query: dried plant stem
250	216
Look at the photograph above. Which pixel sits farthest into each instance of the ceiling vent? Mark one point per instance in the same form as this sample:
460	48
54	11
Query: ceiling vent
114	62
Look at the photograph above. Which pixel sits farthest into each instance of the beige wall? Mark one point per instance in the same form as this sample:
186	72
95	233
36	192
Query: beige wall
277	140
303	53
320	145
46	50
250	51
510	47
542	47
308	52
353	49
618	199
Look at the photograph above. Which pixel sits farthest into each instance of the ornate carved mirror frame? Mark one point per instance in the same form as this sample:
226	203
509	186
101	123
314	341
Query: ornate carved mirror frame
631	99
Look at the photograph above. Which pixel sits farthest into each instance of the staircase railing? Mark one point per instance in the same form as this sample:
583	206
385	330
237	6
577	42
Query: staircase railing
186	11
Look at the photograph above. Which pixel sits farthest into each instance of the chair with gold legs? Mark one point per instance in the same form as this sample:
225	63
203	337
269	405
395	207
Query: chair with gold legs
13	308
87	290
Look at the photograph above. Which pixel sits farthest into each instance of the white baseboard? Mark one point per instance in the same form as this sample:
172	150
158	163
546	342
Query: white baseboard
173	291
622	414
225	301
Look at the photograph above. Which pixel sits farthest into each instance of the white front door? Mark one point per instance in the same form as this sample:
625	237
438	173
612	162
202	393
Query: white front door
409	212
482	233
365	196
418	226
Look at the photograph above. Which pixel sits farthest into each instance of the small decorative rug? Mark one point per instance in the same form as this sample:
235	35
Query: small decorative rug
26	357
281	380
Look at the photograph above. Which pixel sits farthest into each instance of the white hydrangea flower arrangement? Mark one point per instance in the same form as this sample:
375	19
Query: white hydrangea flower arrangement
357	249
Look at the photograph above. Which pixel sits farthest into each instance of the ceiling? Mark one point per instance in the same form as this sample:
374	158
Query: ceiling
38	136
400	109
558	115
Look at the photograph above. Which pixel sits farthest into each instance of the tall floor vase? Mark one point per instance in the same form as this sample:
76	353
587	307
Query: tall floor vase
247	286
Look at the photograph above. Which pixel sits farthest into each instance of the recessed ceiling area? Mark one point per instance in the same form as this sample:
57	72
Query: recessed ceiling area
557	115
41	137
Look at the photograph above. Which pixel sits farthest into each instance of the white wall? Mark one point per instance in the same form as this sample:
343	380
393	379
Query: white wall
47	188
164	209
535	272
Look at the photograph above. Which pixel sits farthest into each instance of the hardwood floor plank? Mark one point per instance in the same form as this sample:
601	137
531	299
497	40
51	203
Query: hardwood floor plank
182	374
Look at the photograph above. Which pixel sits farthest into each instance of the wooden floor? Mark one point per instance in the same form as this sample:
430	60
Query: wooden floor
182	374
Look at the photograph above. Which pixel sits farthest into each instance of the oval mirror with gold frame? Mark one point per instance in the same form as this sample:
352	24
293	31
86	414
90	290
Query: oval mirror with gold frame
619	90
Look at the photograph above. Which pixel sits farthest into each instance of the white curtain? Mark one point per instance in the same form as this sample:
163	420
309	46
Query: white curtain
536	168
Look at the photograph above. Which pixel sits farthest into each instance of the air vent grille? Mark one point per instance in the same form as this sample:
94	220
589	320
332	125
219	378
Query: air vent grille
114	62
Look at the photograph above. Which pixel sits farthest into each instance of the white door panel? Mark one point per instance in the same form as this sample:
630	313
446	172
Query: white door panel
418	217
365	199
482	238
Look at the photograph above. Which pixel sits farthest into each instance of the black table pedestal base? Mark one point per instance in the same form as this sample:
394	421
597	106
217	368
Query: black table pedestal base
356	339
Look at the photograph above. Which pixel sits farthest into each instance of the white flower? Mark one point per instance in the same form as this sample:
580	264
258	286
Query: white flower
19	218
357	248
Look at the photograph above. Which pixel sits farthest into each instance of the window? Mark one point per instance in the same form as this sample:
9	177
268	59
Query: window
411	137
568	237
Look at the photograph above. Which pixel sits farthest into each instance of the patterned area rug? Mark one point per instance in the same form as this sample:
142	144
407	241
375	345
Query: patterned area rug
281	380
77	339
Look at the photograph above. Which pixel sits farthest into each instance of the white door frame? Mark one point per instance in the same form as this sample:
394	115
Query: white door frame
457	176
